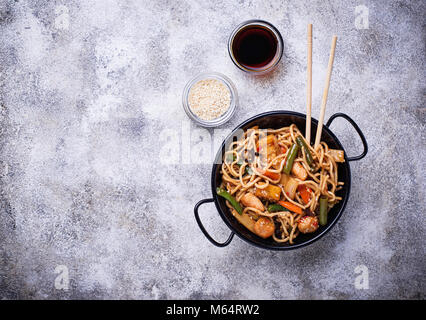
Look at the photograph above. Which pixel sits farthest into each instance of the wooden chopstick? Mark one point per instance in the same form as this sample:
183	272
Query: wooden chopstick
325	93
309	87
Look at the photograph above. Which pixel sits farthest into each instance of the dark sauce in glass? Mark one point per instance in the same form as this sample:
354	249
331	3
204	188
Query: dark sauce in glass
254	47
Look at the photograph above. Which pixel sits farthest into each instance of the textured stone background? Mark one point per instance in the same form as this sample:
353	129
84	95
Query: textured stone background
90	89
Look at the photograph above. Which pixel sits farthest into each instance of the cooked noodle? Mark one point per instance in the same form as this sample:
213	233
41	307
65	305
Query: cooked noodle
243	171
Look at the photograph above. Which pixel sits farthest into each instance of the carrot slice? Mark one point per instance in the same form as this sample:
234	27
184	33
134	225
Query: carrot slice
305	193
291	206
269	174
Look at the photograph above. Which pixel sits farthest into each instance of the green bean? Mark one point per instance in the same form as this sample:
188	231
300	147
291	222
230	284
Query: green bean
302	144
231	199
290	158
323	210
276	208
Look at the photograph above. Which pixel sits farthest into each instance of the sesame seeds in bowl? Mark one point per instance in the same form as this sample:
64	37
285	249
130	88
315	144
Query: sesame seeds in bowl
210	99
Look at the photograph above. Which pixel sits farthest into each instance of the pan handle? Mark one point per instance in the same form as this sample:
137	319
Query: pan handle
218	244
361	135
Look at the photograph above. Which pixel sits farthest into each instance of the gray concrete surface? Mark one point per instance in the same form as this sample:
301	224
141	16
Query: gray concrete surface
90	92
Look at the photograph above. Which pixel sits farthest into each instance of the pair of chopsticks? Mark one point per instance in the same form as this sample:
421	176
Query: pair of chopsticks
309	90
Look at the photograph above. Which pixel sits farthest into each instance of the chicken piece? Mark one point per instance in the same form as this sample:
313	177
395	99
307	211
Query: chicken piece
264	227
308	224
269	149
299	171
250	200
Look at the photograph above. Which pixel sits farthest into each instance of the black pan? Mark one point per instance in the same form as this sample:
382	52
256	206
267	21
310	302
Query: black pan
275	120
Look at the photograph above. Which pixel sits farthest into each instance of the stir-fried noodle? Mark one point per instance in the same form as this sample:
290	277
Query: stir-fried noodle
256	165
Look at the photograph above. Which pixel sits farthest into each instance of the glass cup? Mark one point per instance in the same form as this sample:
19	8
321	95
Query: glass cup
224	117
256	24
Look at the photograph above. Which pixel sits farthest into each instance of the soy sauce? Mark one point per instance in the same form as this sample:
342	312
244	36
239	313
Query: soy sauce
254	47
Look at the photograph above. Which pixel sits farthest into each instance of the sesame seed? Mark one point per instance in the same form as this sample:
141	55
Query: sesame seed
209	99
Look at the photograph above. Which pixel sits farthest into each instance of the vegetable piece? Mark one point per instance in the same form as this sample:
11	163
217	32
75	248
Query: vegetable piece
308	224
245	220
291	207
305	193
264	227
276	208
284	179
290	185
337	155
271	192
302	144
250	200
225	194
299	171
269	174
290	158
323	210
